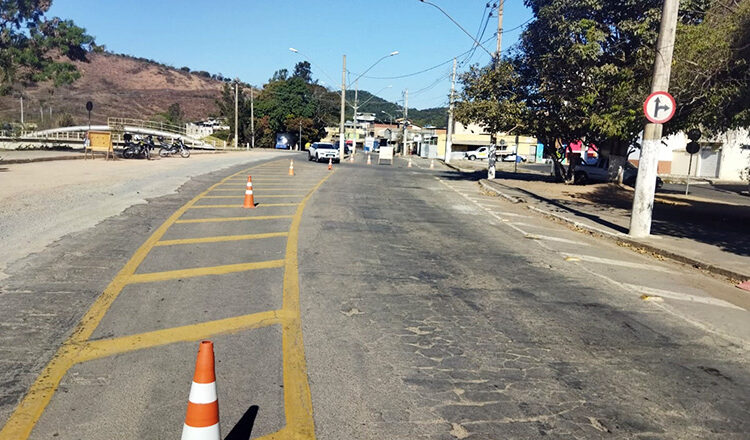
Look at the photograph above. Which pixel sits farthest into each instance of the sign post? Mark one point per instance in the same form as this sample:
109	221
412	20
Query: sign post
692	147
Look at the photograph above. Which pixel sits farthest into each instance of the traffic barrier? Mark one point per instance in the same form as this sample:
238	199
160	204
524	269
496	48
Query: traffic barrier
369	162
432	164
330	163
202	417
249	199
291	167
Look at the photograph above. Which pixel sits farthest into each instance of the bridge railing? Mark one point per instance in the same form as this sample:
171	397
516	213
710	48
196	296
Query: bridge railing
119	123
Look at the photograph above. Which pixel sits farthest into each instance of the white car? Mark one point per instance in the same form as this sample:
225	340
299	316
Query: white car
479	153
320	151
512	157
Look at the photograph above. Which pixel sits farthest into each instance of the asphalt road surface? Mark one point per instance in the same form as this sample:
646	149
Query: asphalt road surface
367	302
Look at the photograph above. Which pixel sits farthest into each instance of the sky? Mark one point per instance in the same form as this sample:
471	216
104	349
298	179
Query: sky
251	39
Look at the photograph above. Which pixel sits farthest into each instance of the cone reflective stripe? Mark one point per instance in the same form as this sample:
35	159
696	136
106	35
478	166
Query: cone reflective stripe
202	417
369	162
432	164
330	163
291	167
249	200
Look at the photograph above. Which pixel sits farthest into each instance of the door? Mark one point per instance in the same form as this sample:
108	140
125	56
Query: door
709	162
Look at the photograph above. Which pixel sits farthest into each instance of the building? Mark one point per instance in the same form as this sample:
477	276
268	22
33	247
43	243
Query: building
205	128
722	157
472	136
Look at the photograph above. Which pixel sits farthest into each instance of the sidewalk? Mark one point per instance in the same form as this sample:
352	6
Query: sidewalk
704	233
28	156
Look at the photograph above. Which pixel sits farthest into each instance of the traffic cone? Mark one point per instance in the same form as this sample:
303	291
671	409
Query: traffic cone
291	167
249	200
330	163
409	164
202	417
432	164
351	157
369	162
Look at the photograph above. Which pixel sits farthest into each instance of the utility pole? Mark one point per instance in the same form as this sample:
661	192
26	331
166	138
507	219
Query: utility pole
499	32
252	118
236	101
449	138
21	110
354	119
643	200
342	141
406	118
299	143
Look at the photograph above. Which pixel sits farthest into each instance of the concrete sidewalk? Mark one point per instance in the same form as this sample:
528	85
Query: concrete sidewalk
727	255
28	156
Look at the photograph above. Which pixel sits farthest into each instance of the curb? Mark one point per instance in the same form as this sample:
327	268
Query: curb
732	276
39	159
460	170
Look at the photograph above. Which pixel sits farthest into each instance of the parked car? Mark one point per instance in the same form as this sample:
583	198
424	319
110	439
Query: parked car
479	153
599	172
323	151
513	157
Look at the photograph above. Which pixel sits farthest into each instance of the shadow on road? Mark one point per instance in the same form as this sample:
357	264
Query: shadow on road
244	428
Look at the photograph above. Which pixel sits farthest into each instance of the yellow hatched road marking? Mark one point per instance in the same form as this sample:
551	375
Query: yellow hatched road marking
187	333
233	219
220	238
261	205
27	413
255	194
202	271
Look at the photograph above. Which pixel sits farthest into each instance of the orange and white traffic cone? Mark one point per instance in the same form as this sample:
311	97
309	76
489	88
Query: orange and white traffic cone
291	167
409	164
432	164
202	417
330	163
369	162
249	200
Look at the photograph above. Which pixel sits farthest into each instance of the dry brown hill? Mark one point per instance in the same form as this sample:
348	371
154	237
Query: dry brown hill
119	86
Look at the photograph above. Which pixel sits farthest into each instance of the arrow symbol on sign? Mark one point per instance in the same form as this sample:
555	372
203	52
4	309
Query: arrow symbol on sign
658	108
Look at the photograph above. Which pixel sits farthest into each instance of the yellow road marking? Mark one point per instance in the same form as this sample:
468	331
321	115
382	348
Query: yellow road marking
260	205
194	332
220	238
255	194
202	271
27	413
232	219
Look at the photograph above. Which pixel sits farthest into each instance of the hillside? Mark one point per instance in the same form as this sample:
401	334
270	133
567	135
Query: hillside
437	117
118	86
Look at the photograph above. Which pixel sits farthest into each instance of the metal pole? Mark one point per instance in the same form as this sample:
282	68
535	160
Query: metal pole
690	165
236	118
354	119
449	138
252	118
299	143
515	162
499	32
643	200
343	110
406	118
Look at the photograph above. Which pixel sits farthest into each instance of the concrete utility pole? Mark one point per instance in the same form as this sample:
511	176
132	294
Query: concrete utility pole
406	118
342	141
499	32
449	138
236	101
252	118
354	119
22	110
643	200
299	143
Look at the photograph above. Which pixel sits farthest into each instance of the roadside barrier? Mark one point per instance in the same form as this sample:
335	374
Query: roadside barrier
330	163
291	167
249	199
202	417
369	162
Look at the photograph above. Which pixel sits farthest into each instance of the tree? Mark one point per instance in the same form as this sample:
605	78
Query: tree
174	115
31	43
280	75
303	71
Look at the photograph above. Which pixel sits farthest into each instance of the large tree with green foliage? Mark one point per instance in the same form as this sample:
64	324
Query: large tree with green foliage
35	48
580	71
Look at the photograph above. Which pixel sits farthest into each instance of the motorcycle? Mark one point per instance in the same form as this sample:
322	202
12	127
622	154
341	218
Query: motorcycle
178	146
140	148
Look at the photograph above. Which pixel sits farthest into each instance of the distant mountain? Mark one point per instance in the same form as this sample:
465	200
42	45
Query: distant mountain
119	86
437	117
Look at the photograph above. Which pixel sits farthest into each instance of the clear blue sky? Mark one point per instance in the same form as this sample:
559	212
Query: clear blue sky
251	39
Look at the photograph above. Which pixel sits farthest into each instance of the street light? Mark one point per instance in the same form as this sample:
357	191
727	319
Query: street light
390	115
395	52
356	93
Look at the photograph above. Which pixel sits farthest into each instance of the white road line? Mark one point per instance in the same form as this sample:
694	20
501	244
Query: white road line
607	261
512	214
683	296
561	240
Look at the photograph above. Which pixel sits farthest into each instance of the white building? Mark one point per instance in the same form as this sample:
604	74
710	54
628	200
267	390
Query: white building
722	157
